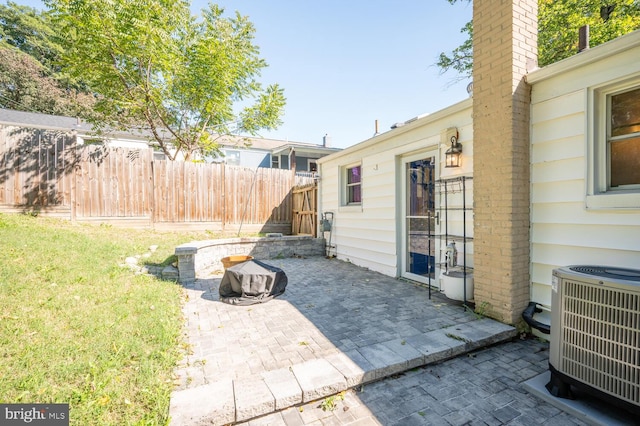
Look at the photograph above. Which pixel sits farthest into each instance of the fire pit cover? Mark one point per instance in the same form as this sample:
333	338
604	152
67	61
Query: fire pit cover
251	282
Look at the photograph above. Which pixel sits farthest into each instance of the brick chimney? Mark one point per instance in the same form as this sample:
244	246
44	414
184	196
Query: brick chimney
504	45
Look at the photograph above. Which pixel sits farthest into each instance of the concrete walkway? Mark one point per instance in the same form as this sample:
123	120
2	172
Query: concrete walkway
336	327
484	387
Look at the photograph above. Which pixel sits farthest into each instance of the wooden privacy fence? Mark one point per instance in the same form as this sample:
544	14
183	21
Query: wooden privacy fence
46	171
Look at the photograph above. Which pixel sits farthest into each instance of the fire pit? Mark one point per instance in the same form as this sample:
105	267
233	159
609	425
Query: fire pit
251	282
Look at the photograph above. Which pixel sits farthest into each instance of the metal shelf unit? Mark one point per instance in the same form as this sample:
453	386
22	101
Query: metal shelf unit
445	188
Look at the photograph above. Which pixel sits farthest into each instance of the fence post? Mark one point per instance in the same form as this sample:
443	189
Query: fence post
74	174
224	196
151	188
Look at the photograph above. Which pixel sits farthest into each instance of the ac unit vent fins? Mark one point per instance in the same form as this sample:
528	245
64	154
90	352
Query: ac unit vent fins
600	343
609	272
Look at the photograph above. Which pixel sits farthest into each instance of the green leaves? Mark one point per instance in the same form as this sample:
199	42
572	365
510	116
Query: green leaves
461	58
265	113
558	25
157	67
559	22
30	31
30	75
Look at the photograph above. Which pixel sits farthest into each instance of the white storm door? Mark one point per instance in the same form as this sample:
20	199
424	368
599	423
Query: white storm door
419	218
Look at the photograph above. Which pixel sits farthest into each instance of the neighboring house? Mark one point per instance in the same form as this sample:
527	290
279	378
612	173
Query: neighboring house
34	120
239	151
272	153
83	130
583	175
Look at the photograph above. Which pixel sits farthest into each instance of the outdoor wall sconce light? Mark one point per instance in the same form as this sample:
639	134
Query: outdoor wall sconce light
453	155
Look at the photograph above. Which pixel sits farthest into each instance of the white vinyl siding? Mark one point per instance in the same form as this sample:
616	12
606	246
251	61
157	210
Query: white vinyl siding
368	234
564	229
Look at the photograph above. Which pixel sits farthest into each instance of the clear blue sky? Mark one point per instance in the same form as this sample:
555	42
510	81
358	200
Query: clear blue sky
345	63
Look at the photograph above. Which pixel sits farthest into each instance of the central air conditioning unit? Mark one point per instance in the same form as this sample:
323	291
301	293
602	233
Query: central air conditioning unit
595	334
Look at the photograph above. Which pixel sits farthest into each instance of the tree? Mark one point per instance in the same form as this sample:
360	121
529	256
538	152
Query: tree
559	22
461	58
30	31
558	25
25	84
156	66
29	76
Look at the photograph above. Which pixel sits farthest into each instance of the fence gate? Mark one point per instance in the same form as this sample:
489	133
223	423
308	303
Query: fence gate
304	220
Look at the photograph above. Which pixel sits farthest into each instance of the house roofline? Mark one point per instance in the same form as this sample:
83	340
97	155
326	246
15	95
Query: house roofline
593	54
42	121
38	120
317	149
407	126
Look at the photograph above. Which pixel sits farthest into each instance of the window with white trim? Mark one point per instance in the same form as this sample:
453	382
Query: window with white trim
232	157
353	185
614	171
623	139
312	165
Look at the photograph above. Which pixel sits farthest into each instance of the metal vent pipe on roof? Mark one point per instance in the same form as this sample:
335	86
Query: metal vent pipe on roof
583	38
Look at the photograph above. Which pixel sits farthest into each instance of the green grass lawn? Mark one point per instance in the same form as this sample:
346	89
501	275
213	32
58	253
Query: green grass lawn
77	327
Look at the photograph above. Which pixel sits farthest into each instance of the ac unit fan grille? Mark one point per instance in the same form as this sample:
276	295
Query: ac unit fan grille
608	272
601	338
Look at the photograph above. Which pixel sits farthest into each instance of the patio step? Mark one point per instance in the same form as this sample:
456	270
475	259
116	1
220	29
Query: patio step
170	273
232	401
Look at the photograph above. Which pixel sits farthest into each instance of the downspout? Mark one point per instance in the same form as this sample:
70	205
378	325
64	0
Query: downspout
319	200
292	161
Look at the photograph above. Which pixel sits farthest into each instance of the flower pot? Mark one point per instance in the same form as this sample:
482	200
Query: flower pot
453	285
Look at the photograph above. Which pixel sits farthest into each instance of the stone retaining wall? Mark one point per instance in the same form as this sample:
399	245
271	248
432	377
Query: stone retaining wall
200	258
